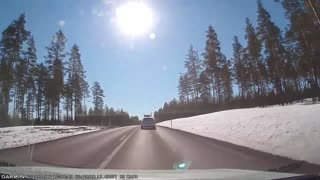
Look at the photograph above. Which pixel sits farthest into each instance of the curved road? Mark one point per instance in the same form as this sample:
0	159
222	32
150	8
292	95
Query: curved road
132	148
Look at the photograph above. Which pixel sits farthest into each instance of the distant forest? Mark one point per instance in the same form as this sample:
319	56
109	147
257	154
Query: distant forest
52	91
274	66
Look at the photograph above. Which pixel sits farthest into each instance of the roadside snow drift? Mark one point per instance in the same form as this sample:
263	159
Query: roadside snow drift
24	135
292	131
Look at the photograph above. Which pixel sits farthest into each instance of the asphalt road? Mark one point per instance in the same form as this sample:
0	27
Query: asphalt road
132	148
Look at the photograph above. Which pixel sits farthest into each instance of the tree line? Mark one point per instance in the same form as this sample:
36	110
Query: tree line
54	91
272	67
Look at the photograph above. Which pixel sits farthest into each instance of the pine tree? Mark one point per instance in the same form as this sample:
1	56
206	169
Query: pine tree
97	95
314	9
239	65
20	75
106	110
54	61
91	112
184	88
31	58
213	62
303	32
291	69
270	35
181	89
11	46
256	67
41	78
86	94
204	83
76	85
68	94
226	79
193	66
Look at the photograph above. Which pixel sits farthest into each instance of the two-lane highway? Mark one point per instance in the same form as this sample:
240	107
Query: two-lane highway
133	148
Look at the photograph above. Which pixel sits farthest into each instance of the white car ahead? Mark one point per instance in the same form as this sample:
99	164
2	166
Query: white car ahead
148	123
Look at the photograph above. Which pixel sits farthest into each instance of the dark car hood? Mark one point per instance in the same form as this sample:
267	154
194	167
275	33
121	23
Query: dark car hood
49	172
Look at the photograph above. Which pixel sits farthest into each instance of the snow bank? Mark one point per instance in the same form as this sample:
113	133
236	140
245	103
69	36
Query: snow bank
292	131
25	135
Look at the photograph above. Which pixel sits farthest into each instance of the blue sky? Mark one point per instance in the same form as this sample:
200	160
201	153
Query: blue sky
138	74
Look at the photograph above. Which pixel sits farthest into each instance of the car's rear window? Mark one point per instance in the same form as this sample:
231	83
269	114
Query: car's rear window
148	119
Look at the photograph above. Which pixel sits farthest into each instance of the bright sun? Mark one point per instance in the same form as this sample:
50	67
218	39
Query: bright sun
134	18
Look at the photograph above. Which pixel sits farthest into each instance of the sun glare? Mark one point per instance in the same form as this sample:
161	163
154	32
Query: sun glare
134	18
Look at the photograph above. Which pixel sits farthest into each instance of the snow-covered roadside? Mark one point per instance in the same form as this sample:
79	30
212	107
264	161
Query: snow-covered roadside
24	135
292	131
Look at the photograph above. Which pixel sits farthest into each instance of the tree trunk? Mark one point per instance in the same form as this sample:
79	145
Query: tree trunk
6	102
58	113
67	109
213	91
71	108
314	12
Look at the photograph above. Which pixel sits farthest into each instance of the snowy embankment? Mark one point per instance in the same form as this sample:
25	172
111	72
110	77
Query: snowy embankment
292	131
24	135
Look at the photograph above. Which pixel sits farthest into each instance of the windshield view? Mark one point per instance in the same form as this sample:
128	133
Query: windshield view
159	89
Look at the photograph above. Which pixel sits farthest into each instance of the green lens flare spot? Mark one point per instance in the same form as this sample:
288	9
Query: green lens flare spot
182	165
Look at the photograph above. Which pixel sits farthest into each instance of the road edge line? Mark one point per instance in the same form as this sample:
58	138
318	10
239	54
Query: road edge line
106	162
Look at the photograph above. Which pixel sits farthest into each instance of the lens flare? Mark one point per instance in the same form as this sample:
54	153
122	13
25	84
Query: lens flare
134	18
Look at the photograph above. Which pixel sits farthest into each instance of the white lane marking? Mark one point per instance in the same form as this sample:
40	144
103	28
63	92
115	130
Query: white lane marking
122	137
105	163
